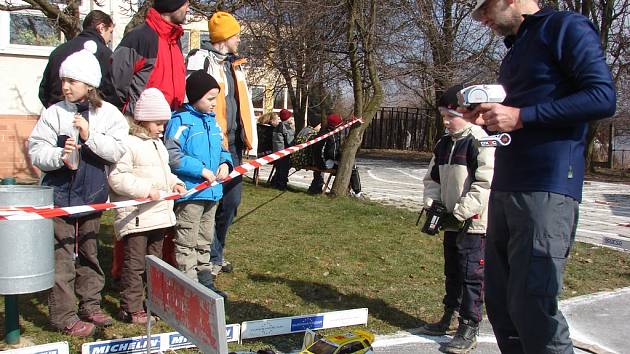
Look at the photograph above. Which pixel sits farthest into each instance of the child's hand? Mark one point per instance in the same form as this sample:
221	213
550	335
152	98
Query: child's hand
154	194
83	126
70	146
178	188
208	175
224	171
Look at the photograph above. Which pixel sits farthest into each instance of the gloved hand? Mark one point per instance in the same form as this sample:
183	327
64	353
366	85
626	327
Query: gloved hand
452	223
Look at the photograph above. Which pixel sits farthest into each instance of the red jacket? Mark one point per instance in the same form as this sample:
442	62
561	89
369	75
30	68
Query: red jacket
149	56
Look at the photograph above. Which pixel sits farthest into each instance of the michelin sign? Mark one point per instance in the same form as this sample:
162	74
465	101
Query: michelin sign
159	343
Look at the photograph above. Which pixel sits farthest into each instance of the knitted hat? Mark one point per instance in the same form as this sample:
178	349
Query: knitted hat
334	120
152	106
449	98
222	26
285	114
82	66
163	6
198	84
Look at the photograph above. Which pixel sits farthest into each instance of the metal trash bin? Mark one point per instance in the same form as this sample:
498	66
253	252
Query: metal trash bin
27	261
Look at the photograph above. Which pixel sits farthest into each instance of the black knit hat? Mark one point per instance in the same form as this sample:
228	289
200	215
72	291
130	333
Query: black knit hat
198	84
163	6
449	98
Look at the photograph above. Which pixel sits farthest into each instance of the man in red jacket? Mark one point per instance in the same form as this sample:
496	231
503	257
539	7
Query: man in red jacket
150	56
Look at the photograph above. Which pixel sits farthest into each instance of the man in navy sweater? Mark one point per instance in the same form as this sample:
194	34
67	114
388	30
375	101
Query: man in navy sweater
557	80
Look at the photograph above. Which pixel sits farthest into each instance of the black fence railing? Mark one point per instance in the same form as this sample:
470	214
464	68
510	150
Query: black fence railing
399	128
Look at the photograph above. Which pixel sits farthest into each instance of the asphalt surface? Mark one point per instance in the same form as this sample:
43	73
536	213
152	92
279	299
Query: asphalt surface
604	212
599	323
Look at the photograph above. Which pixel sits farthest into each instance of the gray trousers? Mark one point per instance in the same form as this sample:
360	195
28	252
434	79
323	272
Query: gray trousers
529	237
83	275
194	233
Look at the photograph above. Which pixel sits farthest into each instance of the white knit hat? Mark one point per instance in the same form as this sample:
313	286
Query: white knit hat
152	106
82	66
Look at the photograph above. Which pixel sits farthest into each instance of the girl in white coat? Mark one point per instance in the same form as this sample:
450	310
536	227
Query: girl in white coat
143	172
73	143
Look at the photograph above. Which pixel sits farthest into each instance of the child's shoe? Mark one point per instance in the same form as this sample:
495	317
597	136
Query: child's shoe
139	317
99	318
465	338
80	329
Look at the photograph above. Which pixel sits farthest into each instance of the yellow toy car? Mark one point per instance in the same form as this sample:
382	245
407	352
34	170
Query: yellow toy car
355	342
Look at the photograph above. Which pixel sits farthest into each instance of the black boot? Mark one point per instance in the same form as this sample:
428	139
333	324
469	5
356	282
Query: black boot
205	279
465	338
447	323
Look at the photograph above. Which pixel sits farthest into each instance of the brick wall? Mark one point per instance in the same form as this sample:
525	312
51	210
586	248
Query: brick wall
14	132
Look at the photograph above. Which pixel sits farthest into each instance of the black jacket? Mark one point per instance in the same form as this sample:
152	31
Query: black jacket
50	87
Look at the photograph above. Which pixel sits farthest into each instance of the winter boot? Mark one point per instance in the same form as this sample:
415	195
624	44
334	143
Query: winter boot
465	338
447	323
205	278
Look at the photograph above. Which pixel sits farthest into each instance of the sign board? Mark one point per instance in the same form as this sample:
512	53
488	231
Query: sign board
616	242
50	348
294	324
159	343
192	309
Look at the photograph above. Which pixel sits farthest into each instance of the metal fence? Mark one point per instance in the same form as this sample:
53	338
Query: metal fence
399	128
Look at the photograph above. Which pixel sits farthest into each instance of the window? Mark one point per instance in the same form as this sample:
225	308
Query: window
185	40
204	36
258	99
279	99
29	29
351	348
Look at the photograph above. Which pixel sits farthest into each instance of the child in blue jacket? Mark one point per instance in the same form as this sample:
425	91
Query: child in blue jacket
196	154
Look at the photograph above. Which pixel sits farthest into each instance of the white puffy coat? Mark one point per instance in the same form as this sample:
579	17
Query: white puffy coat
143	167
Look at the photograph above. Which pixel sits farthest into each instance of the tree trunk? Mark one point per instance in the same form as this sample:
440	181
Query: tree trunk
364	107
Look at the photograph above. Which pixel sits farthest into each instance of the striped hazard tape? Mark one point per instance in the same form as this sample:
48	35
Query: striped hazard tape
36	213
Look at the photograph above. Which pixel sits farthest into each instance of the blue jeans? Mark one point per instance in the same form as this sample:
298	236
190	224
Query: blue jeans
226	212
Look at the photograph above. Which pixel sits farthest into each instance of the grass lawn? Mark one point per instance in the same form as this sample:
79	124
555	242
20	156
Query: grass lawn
298	254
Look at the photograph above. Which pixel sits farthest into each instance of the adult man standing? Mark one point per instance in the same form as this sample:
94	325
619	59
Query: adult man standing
98	27
150	56
557	80
234	113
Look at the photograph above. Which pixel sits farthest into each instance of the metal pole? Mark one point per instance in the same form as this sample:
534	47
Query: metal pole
11	320
611	146
11	313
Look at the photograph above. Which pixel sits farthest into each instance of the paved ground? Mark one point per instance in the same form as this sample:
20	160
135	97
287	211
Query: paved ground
599	322
604	212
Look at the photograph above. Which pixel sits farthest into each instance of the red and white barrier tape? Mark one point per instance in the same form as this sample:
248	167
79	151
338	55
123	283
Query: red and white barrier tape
36	213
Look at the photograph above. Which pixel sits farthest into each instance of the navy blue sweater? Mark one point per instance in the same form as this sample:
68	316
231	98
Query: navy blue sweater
555	71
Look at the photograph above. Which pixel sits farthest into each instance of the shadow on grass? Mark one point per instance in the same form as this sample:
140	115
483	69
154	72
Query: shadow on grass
240	311
328	298
257	208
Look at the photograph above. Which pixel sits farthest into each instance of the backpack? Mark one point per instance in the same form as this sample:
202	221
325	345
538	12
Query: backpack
303	158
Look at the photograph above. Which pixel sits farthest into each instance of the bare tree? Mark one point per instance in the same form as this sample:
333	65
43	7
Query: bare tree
66	18
362	41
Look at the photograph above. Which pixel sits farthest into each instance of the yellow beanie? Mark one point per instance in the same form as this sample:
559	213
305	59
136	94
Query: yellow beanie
222	26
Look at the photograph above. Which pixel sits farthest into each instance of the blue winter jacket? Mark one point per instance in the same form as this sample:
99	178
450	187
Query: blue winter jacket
555	71
194	142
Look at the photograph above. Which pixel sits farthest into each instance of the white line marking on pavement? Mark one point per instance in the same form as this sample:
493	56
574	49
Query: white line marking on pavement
405	173
389	182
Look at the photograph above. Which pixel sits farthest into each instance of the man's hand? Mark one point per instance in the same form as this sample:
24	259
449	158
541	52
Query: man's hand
83	126
224	171
495	116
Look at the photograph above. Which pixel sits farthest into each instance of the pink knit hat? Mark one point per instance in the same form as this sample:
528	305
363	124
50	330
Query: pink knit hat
152	106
